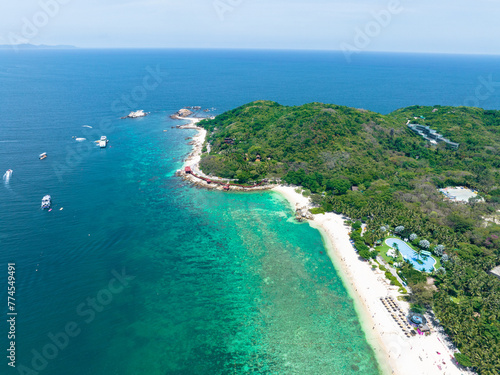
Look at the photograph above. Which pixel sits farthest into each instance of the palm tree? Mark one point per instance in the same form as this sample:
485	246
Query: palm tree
418	251
398	253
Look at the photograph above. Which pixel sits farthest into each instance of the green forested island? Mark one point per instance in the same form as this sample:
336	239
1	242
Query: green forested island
374	168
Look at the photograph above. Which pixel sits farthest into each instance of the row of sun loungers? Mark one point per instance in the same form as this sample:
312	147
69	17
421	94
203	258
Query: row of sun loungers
398	315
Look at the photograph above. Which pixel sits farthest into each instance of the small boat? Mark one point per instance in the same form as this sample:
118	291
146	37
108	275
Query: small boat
42	156
80	139
103	142
46	202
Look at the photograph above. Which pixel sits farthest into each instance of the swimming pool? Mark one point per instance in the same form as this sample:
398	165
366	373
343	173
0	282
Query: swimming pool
407	252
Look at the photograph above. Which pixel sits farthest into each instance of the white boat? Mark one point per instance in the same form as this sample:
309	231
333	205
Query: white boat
42	156
103	142
46	202
80	139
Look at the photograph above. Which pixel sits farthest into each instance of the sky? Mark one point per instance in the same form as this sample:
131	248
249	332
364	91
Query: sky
435	26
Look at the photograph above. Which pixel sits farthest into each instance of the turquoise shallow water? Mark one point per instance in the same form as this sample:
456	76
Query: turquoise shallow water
242	290
219	283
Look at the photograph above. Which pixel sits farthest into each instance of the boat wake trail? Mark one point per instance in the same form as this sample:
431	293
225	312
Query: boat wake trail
7	176
87	126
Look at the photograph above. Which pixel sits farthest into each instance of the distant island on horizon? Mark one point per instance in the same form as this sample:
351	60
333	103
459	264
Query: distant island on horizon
35	46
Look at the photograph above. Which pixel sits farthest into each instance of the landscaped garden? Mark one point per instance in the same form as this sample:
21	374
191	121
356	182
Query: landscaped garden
404	250
413	250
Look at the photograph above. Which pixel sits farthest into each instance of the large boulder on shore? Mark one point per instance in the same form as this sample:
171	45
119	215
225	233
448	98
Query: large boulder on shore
182	113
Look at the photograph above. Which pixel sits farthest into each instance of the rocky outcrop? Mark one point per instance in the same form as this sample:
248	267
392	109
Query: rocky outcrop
181	113
303	213
217	184
136	114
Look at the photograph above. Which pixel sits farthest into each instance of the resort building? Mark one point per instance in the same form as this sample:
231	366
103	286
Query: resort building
460	194
432	135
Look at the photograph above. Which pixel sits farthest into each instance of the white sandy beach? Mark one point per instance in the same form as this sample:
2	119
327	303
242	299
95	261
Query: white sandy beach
194	157
396	353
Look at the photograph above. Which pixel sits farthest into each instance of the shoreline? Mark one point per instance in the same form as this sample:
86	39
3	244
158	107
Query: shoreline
198	140
395	353
366	321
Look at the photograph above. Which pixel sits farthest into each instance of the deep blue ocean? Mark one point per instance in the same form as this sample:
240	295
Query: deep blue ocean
136	272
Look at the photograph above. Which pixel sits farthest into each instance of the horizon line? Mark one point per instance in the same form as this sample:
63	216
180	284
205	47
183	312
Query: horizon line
73	47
